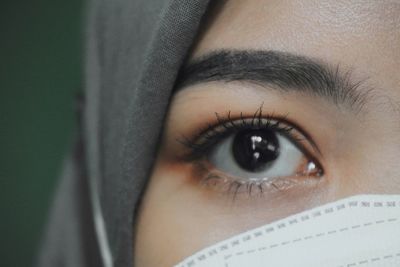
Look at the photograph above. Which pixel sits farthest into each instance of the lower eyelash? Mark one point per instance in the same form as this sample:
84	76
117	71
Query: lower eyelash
234	187
250	187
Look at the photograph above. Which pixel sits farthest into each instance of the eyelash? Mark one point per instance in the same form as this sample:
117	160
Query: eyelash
202	142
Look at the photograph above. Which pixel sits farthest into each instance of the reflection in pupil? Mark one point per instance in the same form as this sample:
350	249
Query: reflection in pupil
255	149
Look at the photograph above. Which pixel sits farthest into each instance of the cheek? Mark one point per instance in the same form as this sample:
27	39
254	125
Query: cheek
171	221
178	217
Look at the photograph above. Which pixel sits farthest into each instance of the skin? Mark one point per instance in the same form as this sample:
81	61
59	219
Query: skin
360	152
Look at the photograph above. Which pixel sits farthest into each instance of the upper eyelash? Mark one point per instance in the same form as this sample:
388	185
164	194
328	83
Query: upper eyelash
209	135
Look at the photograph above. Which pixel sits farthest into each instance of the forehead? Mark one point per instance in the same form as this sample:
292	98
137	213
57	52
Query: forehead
361	35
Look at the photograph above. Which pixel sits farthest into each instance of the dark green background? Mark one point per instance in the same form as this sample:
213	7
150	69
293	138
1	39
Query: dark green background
40	74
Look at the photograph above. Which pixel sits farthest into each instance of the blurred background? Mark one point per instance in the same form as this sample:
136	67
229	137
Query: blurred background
40	75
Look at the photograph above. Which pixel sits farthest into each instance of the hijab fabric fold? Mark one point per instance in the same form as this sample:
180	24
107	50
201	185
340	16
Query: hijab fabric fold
134	50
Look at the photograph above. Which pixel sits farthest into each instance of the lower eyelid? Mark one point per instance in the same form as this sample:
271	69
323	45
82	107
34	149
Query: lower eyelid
234	187
215	180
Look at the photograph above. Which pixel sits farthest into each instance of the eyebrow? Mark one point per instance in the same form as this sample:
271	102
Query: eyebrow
277	71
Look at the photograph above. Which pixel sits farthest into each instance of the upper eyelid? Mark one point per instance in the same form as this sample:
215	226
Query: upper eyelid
229	119
283	120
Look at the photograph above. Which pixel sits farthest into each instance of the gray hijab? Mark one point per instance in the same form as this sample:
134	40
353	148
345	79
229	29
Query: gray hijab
134	51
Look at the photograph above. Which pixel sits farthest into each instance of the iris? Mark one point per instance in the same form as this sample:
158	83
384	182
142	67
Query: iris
255	150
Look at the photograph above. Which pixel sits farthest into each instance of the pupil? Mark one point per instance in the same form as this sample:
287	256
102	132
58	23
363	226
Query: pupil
255	149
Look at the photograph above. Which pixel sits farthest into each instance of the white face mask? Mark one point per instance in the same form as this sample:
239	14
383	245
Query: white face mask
362	230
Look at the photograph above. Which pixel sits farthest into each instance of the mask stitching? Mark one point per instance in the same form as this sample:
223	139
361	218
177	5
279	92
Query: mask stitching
349	203
350	228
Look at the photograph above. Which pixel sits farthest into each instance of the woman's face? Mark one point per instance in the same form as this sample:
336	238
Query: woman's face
246	145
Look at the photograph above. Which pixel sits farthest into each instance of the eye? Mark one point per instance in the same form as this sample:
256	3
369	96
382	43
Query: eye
259	151
259	154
